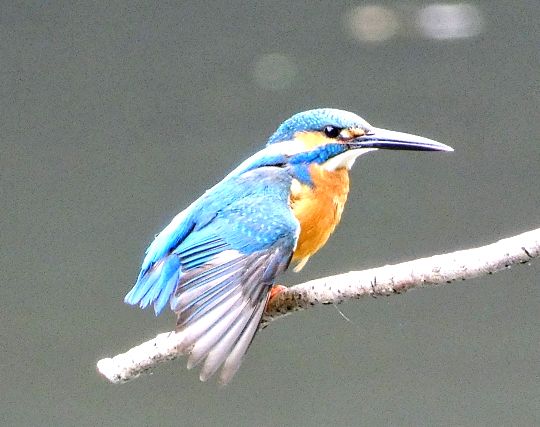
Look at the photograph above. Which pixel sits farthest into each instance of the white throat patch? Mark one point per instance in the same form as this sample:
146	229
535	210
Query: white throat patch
345	160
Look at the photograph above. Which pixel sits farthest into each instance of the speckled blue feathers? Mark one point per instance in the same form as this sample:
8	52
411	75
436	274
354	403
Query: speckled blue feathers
216	262
233	210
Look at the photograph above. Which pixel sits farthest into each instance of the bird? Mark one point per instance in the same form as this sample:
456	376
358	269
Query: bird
215	264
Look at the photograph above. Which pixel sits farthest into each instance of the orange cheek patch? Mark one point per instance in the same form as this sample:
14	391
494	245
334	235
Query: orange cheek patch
315	139
312	139
352	133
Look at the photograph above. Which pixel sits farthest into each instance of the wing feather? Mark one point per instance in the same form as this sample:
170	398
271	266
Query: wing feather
215	264
217	334
234	358
210	339
217	355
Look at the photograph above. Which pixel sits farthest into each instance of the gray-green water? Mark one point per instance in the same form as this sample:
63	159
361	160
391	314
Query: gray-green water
116	117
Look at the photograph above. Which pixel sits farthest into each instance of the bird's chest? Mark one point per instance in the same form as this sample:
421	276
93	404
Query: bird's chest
318	208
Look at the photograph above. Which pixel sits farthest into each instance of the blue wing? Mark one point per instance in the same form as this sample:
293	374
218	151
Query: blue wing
215	264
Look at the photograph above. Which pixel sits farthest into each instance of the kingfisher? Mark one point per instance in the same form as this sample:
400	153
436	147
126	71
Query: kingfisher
217	261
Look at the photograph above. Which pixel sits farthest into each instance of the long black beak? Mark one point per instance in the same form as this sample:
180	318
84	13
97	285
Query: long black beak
391	140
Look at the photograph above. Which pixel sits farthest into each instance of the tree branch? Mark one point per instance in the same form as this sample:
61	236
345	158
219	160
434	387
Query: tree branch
387	280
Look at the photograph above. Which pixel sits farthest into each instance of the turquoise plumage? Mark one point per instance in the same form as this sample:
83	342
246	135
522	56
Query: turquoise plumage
217	260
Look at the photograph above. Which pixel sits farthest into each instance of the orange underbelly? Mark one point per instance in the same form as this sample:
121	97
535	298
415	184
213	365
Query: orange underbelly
318	209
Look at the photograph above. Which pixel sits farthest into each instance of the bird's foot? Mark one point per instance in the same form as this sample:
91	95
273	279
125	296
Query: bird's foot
274	292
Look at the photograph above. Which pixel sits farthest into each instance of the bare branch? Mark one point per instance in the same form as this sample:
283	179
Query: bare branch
387	280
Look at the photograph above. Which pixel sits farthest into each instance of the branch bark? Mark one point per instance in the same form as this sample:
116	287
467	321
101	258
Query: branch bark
386	280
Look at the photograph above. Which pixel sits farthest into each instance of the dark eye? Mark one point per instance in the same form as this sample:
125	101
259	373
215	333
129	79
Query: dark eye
332	131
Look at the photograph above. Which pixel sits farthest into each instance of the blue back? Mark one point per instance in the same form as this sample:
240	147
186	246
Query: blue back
232	212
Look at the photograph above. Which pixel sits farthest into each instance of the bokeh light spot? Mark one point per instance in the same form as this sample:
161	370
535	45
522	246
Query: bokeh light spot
275	71
372	23
450	21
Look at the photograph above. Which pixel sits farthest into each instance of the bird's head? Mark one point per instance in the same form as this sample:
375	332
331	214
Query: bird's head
335	138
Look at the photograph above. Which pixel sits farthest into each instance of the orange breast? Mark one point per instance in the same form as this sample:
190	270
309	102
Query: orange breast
318	209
